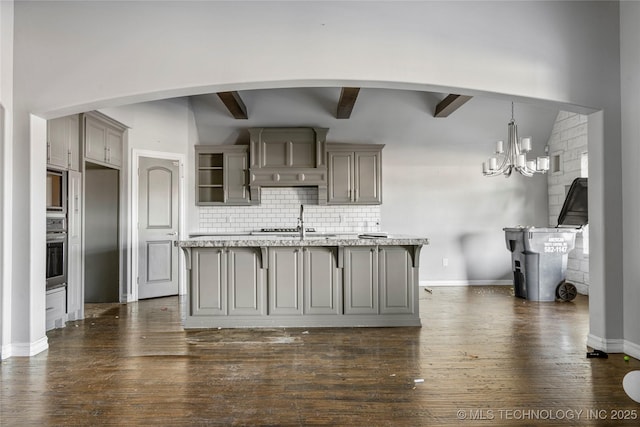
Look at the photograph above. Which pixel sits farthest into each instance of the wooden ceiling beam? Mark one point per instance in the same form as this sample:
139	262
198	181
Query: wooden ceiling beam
347	100
234	104
450	104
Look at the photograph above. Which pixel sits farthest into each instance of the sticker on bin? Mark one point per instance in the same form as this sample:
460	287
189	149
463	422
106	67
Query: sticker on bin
556	245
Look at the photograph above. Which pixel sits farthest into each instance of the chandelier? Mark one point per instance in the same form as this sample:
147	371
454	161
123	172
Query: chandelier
504	162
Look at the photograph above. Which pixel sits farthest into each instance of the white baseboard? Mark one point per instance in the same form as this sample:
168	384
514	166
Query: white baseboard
28	349
5	351
632	349
608	345
436	283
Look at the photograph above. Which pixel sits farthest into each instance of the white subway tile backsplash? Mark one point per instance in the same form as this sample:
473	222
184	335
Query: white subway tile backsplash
280	207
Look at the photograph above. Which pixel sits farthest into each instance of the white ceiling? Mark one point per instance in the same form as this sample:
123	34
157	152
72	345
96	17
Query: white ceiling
401	119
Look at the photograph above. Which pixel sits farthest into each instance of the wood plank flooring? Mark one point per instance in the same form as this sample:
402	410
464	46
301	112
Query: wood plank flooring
485	358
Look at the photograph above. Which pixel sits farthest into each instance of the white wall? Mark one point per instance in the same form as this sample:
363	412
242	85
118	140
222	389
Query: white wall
136	51
630	65
154	127
6	156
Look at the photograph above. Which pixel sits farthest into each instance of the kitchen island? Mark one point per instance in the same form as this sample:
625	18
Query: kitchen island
320	281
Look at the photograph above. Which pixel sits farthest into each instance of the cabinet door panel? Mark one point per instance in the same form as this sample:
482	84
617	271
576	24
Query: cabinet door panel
396	281
74	238
246	283
95	140
302	154
340	177
73	138
361	281
57	142
285	281
367	177
235	171
320	281
114	146
208	282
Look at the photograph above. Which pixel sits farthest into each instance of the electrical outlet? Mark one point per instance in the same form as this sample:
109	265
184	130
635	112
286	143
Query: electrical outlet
445	262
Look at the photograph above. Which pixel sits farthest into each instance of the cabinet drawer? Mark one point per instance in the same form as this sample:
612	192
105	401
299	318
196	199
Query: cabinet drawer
56	308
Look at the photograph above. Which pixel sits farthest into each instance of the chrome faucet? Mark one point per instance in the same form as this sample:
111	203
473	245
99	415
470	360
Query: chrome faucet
301	222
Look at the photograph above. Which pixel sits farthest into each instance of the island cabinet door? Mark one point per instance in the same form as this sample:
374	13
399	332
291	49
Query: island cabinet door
321	281
285	281
208	282
245	282
361	280
396	281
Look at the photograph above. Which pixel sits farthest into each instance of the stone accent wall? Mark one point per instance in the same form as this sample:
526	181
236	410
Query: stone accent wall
569	160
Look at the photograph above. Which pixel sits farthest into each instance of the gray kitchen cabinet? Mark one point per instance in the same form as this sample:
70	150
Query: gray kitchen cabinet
252	282
321	281
285	280
56	314
208	282
103	140
303	281
361	280
288	157
355	174
395	280
63	142
221	175
74	247
245	278
227	282
378	280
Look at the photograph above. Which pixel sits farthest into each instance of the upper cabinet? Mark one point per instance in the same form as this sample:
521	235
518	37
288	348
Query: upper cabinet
63	142
288	157
103	139
221	175
355	174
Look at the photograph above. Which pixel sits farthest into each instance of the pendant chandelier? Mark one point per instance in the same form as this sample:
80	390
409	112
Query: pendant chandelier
504	162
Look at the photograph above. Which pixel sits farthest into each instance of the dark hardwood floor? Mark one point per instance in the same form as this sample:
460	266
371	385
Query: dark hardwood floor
482	357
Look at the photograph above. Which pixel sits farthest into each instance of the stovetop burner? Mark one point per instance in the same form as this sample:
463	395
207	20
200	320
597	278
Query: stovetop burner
286	230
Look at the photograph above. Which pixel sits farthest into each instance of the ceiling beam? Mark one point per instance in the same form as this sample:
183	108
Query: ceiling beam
234	104
450	104
348	98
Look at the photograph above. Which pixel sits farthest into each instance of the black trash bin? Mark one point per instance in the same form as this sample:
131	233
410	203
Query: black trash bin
539	255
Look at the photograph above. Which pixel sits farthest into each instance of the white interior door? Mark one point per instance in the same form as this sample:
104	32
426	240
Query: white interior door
158	202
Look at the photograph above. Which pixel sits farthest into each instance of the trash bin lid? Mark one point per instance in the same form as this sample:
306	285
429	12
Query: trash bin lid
575	210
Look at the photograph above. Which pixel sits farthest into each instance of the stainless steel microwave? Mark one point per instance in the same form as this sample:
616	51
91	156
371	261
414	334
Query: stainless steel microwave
56	191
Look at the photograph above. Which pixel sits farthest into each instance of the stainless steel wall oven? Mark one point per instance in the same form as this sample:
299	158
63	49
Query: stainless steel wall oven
56	251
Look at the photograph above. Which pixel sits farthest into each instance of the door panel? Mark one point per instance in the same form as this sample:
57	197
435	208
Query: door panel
361	280
157	228
285	281
340	177
320	281
159	214
367	173
159	261
246	282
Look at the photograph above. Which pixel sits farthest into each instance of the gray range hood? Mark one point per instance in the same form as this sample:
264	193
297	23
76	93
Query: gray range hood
288	157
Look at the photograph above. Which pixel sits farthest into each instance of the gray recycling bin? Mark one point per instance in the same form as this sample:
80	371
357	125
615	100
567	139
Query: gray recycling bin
539	255
539	260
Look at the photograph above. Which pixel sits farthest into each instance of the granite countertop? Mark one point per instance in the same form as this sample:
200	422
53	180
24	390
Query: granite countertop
217	241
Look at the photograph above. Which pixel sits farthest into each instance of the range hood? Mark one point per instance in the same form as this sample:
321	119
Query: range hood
288	157
575	210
